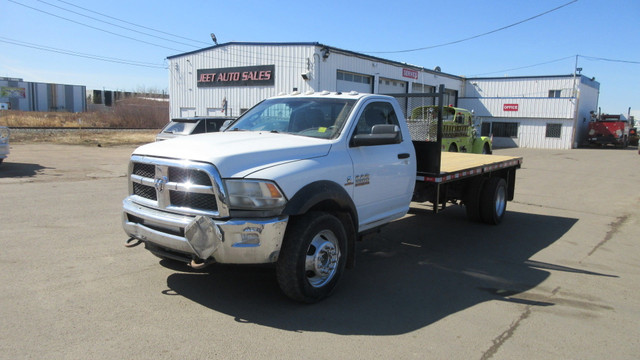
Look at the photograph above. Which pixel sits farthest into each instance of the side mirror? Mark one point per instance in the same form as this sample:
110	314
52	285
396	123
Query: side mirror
225	125
380	135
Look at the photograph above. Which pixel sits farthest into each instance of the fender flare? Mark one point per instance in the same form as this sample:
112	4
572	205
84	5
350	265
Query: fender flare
317	192
325	191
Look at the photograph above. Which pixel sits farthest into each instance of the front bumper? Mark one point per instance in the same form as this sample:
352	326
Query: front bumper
233	241
603	140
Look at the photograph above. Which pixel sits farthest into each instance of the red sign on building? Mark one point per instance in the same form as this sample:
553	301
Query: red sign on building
408	73
510	107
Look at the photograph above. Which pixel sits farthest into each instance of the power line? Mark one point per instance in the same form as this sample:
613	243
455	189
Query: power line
130	23
609	60
287	59
525	67
112	24
116	25
83	55
592	58
95	28
475	36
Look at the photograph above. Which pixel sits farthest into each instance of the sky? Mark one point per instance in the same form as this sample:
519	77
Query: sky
123	45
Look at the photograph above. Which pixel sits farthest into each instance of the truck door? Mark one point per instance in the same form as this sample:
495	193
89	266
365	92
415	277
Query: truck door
383	176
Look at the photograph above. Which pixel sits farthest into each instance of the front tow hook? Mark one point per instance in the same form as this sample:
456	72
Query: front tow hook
132	242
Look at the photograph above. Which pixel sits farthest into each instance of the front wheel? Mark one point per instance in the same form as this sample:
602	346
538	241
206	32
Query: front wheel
313	257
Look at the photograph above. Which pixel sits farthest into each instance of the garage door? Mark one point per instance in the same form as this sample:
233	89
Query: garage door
390	86
187	112
348	81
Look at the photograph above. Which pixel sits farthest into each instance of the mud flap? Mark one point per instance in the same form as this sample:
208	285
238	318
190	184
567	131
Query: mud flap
203	236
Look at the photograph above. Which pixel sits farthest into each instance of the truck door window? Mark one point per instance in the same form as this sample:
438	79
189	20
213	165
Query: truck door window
212	125
377	113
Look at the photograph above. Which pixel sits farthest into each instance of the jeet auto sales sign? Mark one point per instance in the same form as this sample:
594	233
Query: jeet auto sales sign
237	76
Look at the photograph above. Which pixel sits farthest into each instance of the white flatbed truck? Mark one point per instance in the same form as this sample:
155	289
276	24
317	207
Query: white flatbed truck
296	181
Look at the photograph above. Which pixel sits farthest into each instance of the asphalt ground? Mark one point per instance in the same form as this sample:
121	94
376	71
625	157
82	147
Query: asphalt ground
558	279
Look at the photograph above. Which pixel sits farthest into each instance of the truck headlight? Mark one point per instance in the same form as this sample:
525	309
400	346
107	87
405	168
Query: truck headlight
254	194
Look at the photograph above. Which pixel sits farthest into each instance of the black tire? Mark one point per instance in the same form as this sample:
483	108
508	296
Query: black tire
472	198
453	147
493	201
486	149
313	257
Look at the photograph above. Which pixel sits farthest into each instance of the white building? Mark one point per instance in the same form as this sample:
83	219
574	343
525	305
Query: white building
545	112
228	79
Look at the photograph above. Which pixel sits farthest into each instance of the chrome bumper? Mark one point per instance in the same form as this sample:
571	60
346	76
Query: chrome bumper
234	241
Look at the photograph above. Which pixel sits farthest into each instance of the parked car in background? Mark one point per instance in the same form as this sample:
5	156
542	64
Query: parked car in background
192	125
4	143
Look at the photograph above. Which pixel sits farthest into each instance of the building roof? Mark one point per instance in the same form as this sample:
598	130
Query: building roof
583	79
317	44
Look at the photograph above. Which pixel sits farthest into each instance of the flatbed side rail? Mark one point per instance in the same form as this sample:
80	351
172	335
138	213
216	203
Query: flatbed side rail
465	173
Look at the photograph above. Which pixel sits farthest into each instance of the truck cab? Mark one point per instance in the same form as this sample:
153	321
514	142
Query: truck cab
607	129
295	178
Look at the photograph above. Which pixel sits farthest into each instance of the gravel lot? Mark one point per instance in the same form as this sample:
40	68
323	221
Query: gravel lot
558	279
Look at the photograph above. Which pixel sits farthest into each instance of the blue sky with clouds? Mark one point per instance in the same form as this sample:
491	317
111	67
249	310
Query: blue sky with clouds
123	45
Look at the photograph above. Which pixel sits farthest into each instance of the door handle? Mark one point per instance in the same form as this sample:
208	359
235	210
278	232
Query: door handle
403	156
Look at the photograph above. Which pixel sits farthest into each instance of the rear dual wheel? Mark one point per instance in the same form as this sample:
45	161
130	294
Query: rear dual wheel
486	200
493	201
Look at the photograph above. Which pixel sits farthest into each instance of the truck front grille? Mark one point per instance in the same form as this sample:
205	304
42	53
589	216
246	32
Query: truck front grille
147	192
191	176
192	200
177	186
144	170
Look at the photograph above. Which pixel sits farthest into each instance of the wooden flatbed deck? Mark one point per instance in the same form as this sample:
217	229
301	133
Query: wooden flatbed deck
460	165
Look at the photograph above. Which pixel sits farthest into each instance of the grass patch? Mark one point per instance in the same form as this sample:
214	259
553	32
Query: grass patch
133	113
85	137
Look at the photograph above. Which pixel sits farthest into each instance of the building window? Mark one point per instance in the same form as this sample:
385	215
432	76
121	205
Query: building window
554	93
343	75
504	129
553	130
486	129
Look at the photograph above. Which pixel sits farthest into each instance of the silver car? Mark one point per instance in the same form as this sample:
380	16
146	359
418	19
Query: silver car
4	143
192	125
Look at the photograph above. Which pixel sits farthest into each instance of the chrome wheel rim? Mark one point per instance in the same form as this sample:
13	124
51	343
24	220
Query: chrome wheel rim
322	258
501	200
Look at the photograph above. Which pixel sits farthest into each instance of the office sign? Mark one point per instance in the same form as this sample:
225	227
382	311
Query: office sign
510	107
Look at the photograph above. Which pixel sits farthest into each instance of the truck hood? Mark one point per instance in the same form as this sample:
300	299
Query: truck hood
238	153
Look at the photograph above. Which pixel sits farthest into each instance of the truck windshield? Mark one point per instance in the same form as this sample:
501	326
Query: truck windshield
313	117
